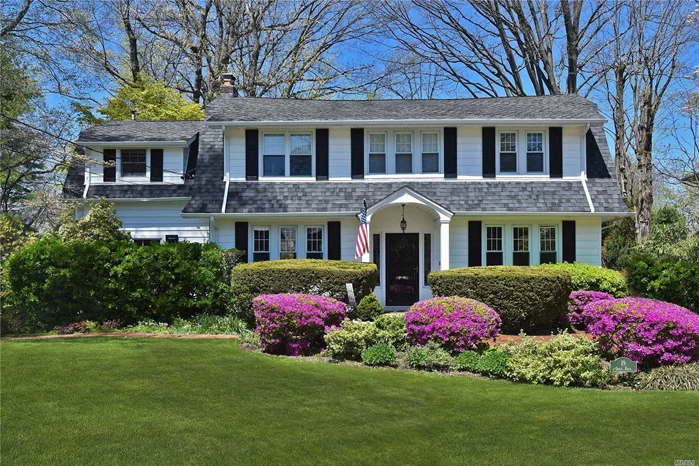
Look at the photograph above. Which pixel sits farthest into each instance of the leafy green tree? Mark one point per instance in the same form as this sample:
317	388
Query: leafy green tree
151	100
13	236
101	223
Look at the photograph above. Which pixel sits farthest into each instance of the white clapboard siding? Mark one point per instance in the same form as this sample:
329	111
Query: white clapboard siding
458	239
155	219
339	153
588	240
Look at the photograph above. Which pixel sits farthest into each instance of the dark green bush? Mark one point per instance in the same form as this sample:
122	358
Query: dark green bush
381	354
671	277
369	307
524	297
320	277
590	277
52	283
490	362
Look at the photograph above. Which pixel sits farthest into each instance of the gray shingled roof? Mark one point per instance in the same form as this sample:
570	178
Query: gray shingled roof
120	131
558	107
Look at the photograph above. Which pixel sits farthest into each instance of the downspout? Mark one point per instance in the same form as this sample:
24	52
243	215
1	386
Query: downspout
583	173
228	177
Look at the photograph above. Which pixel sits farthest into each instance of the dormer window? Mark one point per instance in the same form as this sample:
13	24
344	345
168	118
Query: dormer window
430	152
133	162
404	152
535	152
377	153
508	152
287	154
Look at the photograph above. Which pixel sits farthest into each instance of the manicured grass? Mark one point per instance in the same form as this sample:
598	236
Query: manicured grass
148	401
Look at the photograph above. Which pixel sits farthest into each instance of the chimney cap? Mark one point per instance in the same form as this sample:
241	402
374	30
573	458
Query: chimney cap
133	114
228	84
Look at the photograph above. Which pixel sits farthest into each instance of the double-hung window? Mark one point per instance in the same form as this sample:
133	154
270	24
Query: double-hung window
377	153
260	244
133	162
314	243
493	245
301	163
287	154
508	152
404	152
535	152
430	152
548	253
520	246
274	155
287	243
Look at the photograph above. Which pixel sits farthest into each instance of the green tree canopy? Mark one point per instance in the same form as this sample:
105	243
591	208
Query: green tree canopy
101	223
152	100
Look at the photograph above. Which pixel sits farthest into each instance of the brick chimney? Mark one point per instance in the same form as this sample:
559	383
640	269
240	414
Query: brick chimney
228	84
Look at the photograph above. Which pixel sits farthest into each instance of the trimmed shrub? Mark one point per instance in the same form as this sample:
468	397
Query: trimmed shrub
523	297
590	277
456	324
369	307
317	277
578	301
676	377
429	357
295	324
645	330
564	360
351	339
392	329
492	362
348	341
379	355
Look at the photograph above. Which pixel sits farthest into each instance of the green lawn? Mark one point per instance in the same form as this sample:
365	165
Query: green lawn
148	401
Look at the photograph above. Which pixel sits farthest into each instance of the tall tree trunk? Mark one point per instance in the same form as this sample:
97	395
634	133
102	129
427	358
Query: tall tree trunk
621	156
133	42
644	191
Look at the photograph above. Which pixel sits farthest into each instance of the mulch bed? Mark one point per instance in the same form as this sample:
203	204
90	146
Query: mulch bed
502	339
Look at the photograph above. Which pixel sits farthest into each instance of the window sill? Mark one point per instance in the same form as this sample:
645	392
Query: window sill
287	178
395	176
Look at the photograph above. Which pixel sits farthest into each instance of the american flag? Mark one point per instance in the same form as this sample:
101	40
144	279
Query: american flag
363	235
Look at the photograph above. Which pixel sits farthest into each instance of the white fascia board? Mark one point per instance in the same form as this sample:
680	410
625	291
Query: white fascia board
118	144
139	199
544	214
271	214
416	122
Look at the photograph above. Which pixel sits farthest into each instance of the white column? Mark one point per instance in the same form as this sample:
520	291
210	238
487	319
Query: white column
367	257
444	244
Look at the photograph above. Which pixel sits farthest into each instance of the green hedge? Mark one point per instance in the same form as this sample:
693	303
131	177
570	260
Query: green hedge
592	278
313	276
52	283
524	297
675	280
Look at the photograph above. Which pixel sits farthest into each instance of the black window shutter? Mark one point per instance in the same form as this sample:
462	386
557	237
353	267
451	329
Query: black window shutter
109	168
156	165
488	152
252	151
322	156
556	152
568	240
474	243
241	238
450	153
334	240
357	135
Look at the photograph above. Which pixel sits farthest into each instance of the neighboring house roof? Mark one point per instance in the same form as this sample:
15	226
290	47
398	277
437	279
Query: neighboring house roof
139	130
227	108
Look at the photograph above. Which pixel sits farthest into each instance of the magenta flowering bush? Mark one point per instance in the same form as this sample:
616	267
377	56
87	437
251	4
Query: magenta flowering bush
578	301
645	330
457	324
295	324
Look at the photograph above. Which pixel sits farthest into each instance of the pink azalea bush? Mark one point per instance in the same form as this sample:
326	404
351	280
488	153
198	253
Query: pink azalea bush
644	330
579	300
457	324
295	324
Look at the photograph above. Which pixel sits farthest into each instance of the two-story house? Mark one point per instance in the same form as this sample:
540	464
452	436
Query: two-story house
516	180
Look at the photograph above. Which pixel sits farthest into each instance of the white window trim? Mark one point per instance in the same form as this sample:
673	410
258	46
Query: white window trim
390	134
497	152
440	158
304	246
522	152
508	241
296	239
412	152
119	176
385	153
287	155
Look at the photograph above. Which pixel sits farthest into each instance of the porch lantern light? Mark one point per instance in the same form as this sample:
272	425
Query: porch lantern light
403	223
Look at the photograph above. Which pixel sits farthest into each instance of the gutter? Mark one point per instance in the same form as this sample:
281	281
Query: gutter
474	213
88	177
90	144
225	194
412	122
